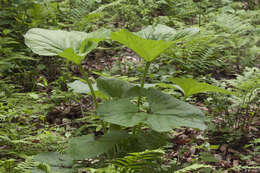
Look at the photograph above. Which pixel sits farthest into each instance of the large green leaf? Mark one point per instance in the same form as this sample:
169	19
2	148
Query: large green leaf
169	112
117	88
163	32
87	147
165	112
146	49
72	45
52	42
190	86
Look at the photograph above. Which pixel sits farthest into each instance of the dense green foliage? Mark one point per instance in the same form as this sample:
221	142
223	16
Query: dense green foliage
129	86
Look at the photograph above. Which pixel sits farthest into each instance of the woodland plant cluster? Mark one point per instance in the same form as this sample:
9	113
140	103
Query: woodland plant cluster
129	86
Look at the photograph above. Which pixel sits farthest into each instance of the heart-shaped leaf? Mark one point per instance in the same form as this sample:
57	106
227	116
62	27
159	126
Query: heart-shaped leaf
72	45
146	49
86	146
168	112
165	113
190	86
52	42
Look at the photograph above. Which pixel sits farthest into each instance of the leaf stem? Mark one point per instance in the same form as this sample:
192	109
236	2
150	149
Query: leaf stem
86	78
147	65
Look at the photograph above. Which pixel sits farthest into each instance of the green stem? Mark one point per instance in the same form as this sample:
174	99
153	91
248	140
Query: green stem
147	65
86	78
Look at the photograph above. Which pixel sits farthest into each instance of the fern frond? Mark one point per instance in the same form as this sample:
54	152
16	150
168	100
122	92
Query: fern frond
248	86
233	24
26	166
147	161
101	8
85	7
141	161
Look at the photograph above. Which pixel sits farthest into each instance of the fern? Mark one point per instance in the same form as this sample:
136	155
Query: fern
251	15
108	169
82	8
197	53
147	161
112	4
248	86
142	161
26	166
232	24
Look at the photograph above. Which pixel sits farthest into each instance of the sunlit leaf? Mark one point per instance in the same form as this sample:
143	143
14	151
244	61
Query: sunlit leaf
52	42
190	86
72	45
146	49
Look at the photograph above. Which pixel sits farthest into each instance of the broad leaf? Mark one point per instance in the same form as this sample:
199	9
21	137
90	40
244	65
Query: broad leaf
72	45
52	42
80	87
87	147
169	112
190	86
146	49
163	32
117	88
165	113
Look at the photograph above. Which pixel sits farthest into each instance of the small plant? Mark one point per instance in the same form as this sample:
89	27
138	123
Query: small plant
247	100
163	112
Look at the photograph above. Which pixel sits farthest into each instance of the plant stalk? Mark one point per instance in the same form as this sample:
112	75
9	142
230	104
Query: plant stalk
147	65
86	78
